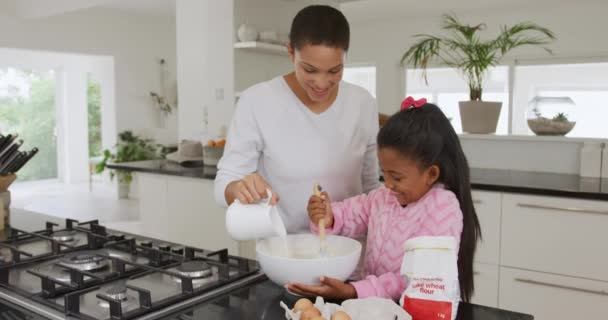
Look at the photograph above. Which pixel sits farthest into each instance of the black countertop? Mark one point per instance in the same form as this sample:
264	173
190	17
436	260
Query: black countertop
260	301
540	183
548	184
166	167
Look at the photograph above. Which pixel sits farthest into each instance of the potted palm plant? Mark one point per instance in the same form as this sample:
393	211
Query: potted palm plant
463	49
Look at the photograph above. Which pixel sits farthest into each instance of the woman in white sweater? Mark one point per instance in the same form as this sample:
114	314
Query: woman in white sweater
303	128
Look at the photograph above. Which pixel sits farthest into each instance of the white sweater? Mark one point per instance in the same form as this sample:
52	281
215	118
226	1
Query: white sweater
274	134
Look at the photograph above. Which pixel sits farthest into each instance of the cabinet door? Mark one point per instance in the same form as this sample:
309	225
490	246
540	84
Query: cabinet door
488	208
552	297
486	285
556	235
195	218
152	191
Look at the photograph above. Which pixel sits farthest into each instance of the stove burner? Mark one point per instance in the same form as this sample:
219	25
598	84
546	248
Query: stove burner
56	272
194	269
63	236
85	260
118	292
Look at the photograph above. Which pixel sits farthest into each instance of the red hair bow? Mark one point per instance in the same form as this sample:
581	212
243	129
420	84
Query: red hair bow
410	102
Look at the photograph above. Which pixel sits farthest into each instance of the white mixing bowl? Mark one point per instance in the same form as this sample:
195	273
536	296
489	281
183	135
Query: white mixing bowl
304	265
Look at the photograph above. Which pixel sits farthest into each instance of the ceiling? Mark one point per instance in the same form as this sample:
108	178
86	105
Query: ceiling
147	7
357	11
378	10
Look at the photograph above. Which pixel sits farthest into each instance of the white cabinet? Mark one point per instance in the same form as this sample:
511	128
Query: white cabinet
552	297
488	208
197	219
486	284
182	210
152	194
557	235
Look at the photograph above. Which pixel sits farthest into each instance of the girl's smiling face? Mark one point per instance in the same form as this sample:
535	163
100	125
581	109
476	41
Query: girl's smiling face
406	177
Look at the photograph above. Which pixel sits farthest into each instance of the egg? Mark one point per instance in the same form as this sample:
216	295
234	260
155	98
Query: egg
340	315
310	314
302	304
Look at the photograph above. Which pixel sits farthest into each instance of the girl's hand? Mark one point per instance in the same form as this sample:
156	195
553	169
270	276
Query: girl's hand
329	288
320	207
250	189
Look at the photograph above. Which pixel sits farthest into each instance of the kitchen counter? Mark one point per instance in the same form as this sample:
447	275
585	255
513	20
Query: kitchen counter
538	183
166	167
261	301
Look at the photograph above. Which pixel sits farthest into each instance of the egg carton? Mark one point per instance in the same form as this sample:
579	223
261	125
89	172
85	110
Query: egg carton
357	309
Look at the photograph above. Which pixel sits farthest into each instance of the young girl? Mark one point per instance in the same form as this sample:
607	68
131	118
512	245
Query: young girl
426	192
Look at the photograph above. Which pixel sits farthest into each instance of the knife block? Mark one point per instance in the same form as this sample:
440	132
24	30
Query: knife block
2	214
5	182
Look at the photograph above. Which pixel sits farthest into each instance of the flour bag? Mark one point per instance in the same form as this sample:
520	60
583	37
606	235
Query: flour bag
431	273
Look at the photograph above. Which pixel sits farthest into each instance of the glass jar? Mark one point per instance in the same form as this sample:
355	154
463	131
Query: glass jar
551	116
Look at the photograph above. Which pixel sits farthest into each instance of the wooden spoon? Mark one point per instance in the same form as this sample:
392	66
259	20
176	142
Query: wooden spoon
322	243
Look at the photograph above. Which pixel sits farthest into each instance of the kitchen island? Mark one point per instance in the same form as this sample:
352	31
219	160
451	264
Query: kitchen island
256	300
533	226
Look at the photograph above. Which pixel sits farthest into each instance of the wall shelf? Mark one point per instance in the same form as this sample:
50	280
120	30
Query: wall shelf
262	47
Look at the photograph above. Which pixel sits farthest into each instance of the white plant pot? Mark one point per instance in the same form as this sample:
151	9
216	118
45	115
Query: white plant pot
479	116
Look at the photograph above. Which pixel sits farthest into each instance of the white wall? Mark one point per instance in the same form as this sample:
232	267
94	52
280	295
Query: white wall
580	30
207	60
251	68
205	65
135	42
264	15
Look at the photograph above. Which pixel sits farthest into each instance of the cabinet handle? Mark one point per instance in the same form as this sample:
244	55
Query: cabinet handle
578	210
547	284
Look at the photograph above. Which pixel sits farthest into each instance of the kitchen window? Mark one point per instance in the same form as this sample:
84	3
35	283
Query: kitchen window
585	84
446	88
27	108
363	76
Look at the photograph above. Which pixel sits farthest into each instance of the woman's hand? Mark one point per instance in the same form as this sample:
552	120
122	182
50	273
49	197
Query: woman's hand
320	207
329	288
250	189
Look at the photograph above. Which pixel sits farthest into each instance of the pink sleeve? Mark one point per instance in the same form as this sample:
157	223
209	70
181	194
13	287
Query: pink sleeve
351	216
444	216
389	285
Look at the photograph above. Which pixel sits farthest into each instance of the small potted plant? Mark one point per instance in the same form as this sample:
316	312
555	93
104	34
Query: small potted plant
464	50
130	147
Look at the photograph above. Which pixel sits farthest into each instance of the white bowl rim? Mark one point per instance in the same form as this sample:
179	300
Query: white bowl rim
358	248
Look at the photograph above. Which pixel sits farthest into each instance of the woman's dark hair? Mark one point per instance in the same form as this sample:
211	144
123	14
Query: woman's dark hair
425	135
320	25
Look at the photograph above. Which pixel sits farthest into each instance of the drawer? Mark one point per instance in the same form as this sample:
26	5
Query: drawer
552	297
488	208
486	285
557	235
